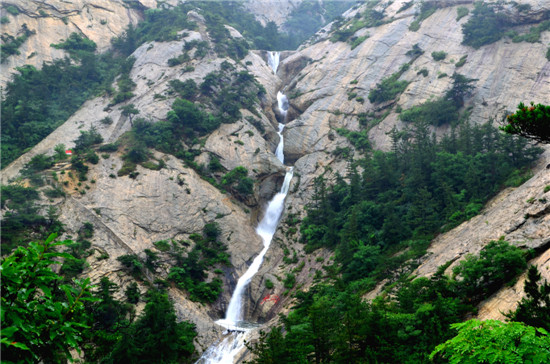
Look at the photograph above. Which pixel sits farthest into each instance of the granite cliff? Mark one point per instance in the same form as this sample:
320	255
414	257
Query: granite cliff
129	215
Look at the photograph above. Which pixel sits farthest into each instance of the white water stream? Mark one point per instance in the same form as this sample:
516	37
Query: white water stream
226	350
273	60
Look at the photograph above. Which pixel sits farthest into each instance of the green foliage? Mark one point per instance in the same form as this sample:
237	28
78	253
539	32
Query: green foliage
485	26
182	58
534	308
186	89
493	341
359	139
438	56
424	72
22	220
461	12
155	336
162	245
401	198
530	122
190	272
188	117
534	33
132	263
437	113
41	319
443	110
289	281
308	17
13	10
355	42
269	284
369	18
462	61
36	102
237	180
426	10
130	111
77	46
132	293
478	276
389	88
10	44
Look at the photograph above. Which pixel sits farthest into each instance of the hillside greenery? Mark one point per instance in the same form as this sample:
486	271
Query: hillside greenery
332	323
36	101
45	316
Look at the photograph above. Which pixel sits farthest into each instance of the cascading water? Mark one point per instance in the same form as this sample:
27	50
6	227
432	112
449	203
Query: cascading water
225	351
273	60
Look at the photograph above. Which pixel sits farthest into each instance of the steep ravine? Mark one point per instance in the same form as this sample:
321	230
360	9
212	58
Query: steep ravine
131	214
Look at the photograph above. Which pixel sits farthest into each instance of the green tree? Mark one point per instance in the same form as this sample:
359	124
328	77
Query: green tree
495	342
534	308
531	122
156	337
130	111
42	320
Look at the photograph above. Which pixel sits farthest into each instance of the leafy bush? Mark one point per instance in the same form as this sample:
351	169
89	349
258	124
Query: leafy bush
498	263
188	117
494	342
289	281
162	245
461	12
485	26
132	263
388	88
186	89
531	122
10	44
462	61
48	309
438	56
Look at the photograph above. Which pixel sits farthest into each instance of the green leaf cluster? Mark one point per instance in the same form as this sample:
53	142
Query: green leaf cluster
42	320
532	122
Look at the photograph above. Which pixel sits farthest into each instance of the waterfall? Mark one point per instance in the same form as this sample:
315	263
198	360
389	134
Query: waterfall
280	147
273	60
226	350
282	103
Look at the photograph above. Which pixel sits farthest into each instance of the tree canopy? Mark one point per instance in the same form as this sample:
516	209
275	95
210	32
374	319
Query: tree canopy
532	122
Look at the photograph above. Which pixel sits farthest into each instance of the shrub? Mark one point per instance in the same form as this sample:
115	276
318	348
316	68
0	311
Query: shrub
461	12
498	263
424	72
485	26
132	263
462	61
12	10
132	293
289	281
268	284
162	245
438	56
388	89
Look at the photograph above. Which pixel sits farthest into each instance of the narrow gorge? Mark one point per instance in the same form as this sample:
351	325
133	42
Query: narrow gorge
287	181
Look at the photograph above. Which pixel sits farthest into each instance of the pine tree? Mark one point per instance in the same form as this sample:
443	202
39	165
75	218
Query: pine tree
534	308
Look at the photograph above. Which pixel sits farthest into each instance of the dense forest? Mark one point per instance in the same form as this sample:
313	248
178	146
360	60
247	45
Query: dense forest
377	219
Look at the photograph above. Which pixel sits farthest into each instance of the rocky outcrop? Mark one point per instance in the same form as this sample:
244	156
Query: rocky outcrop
129	215
54	20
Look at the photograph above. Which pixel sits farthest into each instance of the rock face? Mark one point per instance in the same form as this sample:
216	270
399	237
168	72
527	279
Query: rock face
53	21
129	215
